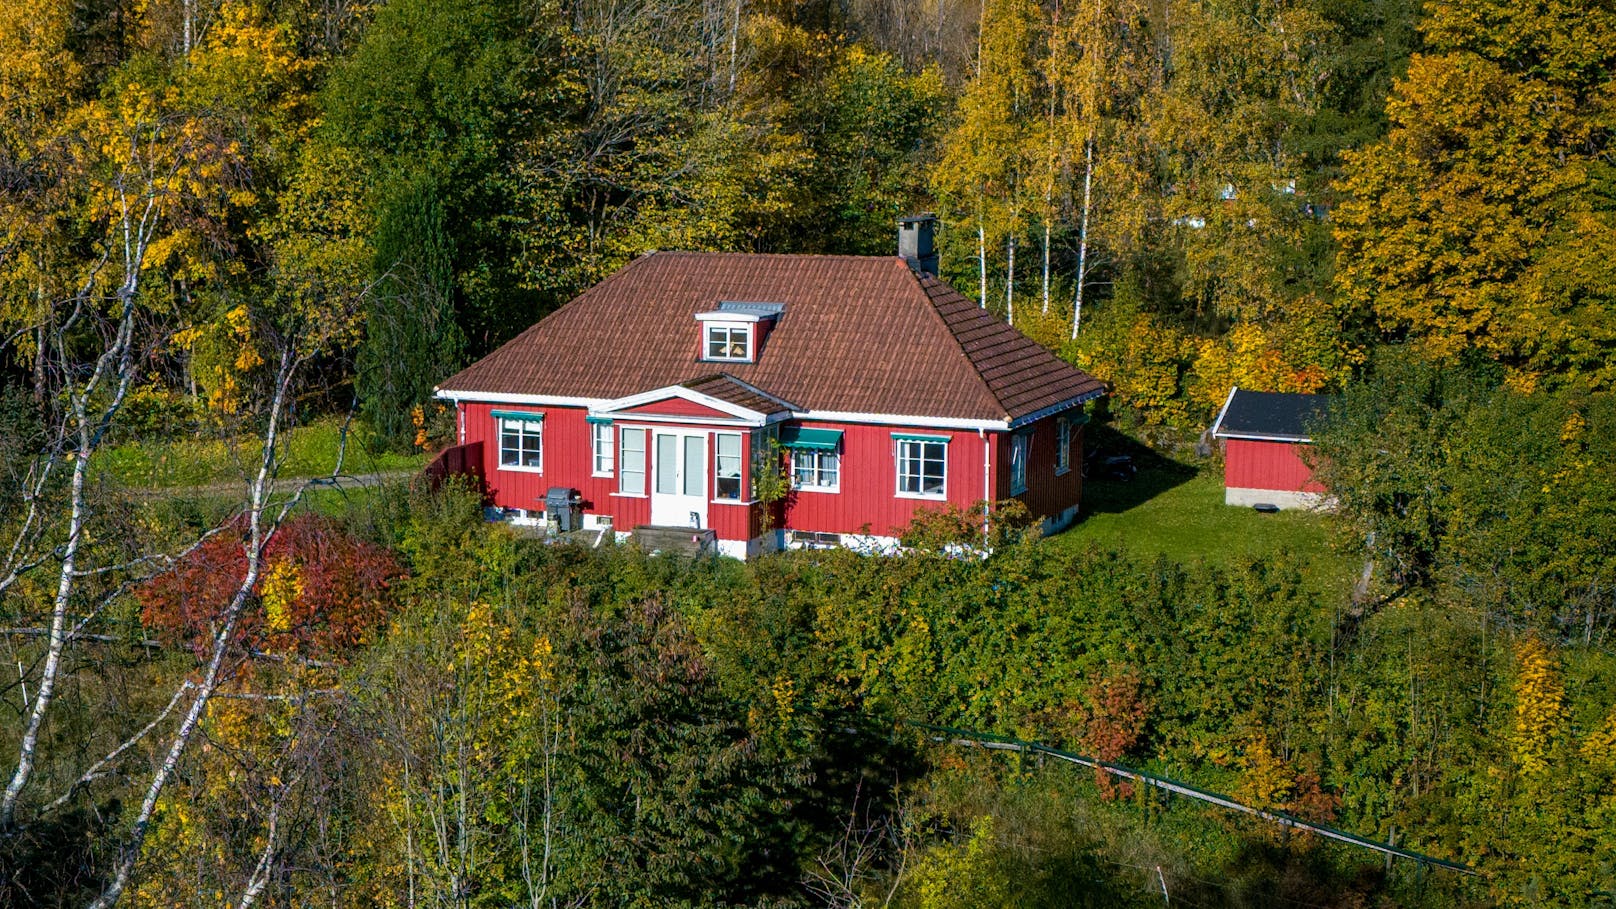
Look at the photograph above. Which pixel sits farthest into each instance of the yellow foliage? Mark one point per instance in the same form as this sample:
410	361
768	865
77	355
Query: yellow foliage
282	587
1599	748
1539	705
962	874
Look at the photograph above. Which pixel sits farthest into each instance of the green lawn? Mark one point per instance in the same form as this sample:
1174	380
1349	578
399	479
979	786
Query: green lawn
1177	511
309	450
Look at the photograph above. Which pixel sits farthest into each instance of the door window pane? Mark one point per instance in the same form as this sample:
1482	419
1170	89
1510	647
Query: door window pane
695	478
667	464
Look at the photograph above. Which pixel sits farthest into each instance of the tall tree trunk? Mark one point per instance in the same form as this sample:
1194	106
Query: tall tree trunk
1010	280
734	44
982	259
1046	264
1083	236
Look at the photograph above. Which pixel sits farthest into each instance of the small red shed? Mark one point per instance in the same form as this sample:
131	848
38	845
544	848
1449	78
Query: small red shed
1264	434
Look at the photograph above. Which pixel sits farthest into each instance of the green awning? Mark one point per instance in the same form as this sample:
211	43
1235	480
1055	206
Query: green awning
916	437
817	439
598	421
517	415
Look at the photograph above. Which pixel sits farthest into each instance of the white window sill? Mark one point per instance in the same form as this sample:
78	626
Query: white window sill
1018	492
734	502
1062	471
832	490
514	468
628	495
606	475
925	497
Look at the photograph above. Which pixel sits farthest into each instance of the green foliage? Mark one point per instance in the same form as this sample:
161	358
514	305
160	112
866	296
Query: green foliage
411	339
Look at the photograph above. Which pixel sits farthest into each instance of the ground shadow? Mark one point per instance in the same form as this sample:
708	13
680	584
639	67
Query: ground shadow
1104	492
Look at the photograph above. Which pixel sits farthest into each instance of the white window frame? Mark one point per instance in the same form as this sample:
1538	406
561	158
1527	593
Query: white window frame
730	329
1063	446
602	450
900	446
739	475
1020	454
523	427
818	457
624	451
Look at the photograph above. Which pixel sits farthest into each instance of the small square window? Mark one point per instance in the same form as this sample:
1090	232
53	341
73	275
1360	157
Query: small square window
521	443
728	342
816	470
922	468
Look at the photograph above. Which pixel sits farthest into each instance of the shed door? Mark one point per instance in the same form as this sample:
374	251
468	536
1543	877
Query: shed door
679	489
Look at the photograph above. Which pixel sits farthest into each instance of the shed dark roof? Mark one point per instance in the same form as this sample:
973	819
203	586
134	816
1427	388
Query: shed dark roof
858	334
1269	415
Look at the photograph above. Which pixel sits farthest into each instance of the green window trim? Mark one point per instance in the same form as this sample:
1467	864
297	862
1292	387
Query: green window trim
598	421
813	439
517	415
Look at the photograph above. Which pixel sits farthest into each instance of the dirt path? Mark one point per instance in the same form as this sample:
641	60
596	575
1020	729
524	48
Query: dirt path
233	488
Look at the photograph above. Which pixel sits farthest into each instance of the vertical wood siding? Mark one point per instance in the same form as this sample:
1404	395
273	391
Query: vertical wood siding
867	500
1249	464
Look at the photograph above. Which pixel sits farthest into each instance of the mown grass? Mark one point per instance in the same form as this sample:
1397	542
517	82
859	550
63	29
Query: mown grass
309	450
1176	510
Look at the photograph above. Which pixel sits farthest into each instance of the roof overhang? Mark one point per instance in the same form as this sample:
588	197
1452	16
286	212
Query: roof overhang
735	413
1054	409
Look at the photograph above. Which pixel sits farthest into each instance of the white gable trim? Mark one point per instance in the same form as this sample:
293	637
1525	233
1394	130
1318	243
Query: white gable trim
745	414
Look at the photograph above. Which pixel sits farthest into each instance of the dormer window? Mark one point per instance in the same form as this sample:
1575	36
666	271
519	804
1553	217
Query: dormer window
728	342
734	332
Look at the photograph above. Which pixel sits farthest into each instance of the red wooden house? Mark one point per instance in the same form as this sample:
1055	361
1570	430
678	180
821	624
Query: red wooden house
649	398
1264	435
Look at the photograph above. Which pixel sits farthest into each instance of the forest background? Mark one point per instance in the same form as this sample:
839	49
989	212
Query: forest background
221	220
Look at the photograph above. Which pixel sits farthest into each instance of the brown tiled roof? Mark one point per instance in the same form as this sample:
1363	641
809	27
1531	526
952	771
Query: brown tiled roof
726	387
859	334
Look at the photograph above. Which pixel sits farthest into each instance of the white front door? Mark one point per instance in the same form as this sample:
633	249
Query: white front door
679	483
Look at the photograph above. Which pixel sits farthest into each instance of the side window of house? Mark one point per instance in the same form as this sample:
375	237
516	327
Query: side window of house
923	467
816	469
1063	445
1020	448
521	442
631	473
727	465
601	442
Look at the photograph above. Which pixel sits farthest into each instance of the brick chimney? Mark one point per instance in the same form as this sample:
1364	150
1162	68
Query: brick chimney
917	242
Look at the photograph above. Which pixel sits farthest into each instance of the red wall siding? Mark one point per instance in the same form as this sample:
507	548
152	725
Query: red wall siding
1047	494
568	460
1250	464
869	477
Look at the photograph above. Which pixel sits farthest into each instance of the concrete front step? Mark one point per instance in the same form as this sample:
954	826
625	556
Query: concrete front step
694	540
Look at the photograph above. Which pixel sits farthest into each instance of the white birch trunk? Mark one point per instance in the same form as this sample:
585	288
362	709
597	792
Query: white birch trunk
1010	280
1083	237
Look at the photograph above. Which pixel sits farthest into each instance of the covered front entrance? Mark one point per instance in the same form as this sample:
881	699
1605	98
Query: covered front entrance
679	487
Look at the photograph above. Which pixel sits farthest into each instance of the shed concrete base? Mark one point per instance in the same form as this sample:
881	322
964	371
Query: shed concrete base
1246	498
